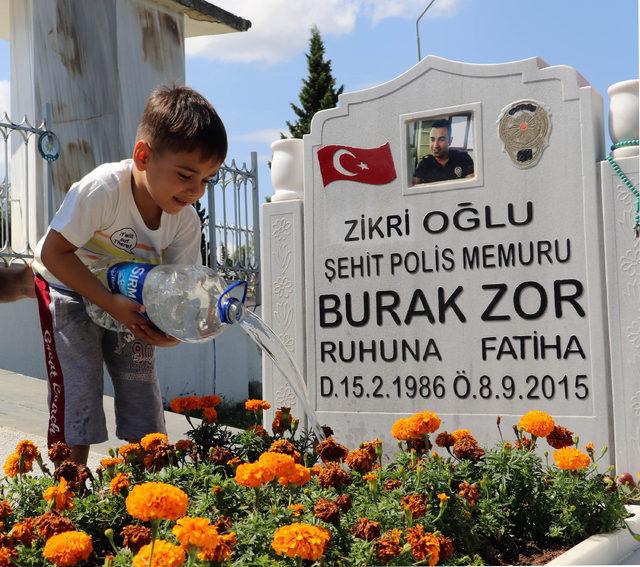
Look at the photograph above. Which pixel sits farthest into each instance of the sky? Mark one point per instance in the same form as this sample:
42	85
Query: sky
252	77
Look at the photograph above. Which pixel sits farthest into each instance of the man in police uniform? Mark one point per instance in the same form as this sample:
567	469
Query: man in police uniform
444	163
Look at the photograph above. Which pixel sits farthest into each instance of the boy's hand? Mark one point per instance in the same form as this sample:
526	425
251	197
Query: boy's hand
127	312
154	337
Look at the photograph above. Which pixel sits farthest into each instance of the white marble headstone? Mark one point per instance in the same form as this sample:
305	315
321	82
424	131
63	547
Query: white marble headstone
477	297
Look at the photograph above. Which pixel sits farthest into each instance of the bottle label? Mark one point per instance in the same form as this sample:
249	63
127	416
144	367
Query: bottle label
128	278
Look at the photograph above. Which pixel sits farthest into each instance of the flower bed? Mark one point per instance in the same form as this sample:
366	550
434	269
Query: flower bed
253	498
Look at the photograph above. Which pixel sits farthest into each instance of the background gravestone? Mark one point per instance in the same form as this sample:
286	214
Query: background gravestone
474	297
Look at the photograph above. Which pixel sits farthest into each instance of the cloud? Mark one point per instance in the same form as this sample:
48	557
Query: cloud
280	28
265	136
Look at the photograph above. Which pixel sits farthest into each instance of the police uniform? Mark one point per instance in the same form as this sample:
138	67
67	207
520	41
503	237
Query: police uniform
458	166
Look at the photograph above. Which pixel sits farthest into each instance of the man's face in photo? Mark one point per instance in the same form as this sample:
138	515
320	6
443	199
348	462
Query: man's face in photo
440	141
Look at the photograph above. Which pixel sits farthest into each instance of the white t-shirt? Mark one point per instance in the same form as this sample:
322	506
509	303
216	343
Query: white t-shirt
101	218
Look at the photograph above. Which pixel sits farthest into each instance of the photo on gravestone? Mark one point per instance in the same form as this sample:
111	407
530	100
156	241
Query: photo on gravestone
441	148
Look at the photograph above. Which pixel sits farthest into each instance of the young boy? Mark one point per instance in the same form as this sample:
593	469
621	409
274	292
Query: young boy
139	208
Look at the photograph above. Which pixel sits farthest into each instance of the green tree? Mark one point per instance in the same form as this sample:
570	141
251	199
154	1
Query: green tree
318	89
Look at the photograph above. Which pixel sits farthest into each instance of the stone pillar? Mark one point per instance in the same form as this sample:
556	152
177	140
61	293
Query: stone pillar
623	276
95	63
282	248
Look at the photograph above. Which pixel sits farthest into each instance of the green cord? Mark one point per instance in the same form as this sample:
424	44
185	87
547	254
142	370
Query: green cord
627	181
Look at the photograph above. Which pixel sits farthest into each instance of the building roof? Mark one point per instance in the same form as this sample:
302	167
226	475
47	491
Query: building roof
200	18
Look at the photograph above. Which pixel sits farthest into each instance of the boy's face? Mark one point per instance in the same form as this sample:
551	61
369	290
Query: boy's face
175	179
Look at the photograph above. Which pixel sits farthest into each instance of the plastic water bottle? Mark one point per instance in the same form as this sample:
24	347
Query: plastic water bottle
190	303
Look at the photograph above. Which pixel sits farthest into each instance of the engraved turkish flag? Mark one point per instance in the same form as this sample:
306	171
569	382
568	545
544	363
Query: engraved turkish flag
373	166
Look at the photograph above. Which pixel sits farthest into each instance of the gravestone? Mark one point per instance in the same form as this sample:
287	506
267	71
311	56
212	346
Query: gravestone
475	290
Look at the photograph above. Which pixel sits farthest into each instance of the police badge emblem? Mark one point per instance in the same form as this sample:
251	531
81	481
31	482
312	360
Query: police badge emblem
524	127
458	171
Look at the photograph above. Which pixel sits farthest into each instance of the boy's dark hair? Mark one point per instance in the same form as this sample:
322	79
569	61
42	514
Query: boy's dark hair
443	123
181	120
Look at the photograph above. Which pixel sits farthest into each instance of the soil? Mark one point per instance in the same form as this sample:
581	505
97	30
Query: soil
529	553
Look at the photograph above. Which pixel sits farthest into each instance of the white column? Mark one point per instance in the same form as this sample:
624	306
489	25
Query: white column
623	289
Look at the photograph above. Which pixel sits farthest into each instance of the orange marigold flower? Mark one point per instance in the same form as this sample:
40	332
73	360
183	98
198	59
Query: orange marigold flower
196	532
332	474
130	450
425	422
119	483
388	546
370	477
424	546
331	451
360	460
111	462
184	445
589	447
211	401
23	532
253	475
570	458
210	415
68	548
469	492
135	536
165	554
256	405
446	547
560	437
287	448
28	450
301	540
459	434
416	503
299	476
12	465
468	448
296	509
153	440
445	439
5	508
221	551
7	557
281	464
59	452
536	422
366	529
52	523
61	495
403	429
327	511
392	484
185	404
443	498
157	500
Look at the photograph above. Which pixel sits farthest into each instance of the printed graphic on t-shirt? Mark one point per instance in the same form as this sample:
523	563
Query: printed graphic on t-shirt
125	239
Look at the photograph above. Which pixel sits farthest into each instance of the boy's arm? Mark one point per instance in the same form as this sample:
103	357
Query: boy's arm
58	255
16	283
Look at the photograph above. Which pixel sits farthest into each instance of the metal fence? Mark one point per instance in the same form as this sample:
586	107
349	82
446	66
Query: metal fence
231	226
14	210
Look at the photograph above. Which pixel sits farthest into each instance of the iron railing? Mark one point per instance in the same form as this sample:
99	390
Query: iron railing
14	210
231	224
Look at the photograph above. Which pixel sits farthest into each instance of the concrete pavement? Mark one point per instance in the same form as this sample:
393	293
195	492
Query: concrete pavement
24	415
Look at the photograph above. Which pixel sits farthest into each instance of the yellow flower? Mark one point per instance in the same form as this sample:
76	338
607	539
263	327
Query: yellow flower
256	405
299	476
119	483
153	440
425	422
165	554
156	500
570	458
61	495
11	466
301	540
196	532
253	474
296	509
403	429
110	462
537	423
370	477
443	498
279	463
460	433
68	548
